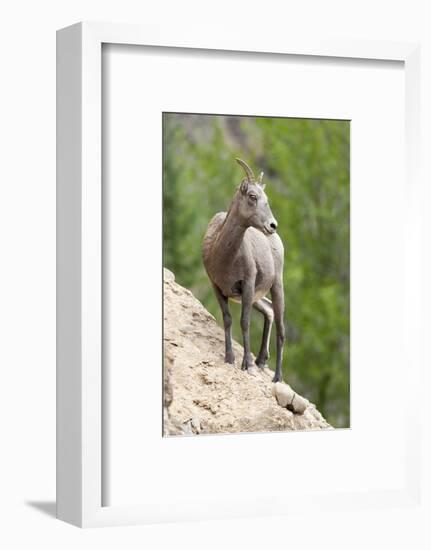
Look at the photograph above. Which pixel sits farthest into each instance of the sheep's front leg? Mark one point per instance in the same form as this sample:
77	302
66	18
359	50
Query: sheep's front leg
227	322
277	294
247	302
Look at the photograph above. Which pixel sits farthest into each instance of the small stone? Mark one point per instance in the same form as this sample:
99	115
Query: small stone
298	404
196	425
287	398
187	428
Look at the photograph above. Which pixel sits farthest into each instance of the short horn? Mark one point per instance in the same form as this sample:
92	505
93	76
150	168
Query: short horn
260	178
247	170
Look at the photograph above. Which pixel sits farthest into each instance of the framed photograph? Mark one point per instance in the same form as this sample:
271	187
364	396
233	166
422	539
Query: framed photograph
306	222
237	284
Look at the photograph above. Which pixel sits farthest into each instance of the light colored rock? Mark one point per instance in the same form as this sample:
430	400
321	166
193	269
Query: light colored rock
286	397
210	396
187	428
196	425
168	275
283	398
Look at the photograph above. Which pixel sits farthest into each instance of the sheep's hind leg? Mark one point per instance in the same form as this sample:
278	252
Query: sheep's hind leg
265	307
278	307
227	322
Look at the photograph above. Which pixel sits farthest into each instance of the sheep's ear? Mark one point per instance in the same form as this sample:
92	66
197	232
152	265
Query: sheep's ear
244	187
260	181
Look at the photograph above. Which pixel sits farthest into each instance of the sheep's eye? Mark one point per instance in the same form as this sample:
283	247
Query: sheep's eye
253	198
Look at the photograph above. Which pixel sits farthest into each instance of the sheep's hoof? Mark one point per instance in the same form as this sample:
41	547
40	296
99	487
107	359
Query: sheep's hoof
230	358
262	360
247	363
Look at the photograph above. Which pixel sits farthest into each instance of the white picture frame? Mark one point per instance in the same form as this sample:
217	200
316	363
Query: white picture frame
79	262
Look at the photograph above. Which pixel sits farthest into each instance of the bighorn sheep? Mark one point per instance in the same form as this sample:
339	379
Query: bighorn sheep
243	256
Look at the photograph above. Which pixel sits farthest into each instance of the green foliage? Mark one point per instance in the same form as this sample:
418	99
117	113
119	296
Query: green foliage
306	164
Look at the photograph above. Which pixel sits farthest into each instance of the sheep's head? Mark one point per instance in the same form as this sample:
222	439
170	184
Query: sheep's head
253	208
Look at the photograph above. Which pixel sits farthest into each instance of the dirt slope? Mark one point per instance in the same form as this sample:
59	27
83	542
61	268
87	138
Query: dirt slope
205	395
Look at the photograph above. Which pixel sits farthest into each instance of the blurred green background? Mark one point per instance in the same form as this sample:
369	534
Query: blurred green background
306	164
